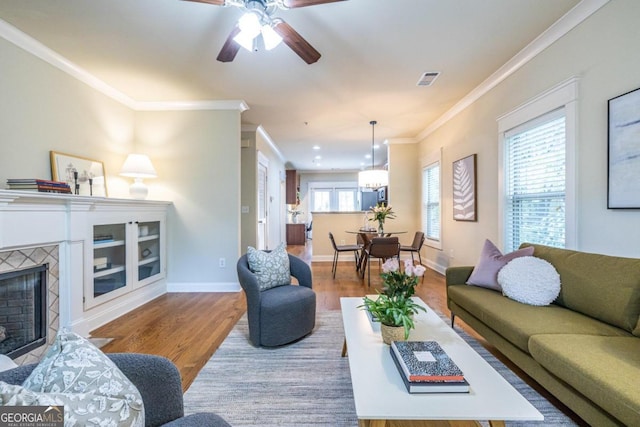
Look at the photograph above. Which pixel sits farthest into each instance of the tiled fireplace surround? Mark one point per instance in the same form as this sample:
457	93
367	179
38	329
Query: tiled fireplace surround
31	257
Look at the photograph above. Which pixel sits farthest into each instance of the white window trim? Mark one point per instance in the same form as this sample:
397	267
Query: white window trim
565	94
428	160
330	185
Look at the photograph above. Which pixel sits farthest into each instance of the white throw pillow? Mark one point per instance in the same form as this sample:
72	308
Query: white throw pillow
530	280
93	389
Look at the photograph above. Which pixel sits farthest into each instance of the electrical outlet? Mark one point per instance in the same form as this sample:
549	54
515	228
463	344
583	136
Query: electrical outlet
342	242
451	253
222	263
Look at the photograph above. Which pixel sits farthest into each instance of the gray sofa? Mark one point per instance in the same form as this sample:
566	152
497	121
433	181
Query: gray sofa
159	383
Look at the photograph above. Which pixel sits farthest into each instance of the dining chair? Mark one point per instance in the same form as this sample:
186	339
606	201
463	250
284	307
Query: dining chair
382	248
363	239
416	246
337	249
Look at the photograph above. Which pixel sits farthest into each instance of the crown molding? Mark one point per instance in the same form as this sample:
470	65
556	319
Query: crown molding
39	50
557	30
261	130
239	105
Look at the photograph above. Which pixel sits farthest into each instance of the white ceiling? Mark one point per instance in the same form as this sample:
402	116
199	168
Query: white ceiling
373	52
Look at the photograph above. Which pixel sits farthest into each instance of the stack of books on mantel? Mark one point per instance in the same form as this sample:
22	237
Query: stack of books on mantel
426	368
41	185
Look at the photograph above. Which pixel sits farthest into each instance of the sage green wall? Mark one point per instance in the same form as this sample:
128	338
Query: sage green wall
601	52
197	157
43	109
249	190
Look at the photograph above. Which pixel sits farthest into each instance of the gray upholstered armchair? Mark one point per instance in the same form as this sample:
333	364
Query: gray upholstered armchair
160	386
279	315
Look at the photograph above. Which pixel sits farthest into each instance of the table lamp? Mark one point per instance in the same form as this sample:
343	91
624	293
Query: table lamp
138	166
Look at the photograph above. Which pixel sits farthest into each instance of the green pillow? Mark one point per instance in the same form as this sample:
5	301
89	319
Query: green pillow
271	268
93	389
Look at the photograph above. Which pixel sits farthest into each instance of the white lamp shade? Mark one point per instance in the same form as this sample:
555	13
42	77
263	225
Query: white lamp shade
270	37
373	178
138	166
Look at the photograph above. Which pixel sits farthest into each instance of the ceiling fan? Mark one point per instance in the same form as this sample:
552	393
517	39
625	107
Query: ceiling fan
258	20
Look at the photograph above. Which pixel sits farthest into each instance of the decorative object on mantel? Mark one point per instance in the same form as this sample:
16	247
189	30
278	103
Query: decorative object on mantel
40	185
138	166
373	178
380	214
623	190
464	189
86	176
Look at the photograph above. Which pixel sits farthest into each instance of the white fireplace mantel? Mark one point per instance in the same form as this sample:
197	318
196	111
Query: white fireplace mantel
32	219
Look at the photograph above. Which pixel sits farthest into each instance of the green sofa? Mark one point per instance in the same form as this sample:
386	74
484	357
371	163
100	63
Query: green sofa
584	348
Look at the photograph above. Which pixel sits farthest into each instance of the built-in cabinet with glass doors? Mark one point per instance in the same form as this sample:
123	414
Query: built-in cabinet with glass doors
126	254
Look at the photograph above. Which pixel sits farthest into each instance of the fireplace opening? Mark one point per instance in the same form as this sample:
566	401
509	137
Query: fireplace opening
23	310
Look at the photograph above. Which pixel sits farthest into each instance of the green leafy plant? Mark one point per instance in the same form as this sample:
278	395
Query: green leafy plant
397	282
395	310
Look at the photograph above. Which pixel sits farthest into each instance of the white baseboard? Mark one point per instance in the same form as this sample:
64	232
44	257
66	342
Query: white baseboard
204	287
109	311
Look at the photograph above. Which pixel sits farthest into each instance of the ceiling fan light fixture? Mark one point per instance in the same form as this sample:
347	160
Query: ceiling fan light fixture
246	40
270	37
250	23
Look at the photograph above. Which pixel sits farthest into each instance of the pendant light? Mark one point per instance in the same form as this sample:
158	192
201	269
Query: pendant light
373	178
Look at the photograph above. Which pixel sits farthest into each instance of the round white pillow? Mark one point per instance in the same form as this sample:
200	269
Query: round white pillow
530	280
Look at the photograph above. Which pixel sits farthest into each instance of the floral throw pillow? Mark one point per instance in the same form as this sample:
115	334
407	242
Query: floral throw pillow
271	268
93	389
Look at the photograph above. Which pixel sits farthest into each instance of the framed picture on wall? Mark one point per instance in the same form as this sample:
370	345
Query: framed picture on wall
464	189
86	177
623	190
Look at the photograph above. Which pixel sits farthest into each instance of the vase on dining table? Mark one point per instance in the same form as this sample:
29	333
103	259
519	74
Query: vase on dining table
381	227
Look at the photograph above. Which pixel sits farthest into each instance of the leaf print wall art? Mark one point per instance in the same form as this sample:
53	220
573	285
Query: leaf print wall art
464	189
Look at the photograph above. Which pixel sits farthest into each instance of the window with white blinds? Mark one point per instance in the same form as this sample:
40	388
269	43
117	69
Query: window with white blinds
535	182
431	202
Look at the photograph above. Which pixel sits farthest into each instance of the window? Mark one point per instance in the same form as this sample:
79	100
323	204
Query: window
537	184
333	197
431	202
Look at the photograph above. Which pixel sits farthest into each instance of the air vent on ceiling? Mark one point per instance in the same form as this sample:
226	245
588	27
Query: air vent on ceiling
427	78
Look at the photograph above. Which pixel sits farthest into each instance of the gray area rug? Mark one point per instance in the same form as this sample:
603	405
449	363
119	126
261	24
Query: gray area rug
306	383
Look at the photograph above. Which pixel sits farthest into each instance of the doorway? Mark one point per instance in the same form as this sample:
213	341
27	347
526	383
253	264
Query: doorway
263	207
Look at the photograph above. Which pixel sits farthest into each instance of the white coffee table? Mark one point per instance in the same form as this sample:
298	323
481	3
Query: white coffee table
380	394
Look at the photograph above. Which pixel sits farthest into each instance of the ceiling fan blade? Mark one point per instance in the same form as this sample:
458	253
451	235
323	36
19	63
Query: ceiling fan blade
290	4
295	41
215	2
230	48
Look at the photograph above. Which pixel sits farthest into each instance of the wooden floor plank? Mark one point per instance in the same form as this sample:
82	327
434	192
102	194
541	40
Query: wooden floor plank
189	327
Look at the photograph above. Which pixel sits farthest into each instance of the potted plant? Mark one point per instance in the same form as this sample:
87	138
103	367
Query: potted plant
398	282
394	307
395	314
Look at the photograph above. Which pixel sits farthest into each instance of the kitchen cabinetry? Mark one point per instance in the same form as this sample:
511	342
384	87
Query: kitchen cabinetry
127	253
291	194
296	234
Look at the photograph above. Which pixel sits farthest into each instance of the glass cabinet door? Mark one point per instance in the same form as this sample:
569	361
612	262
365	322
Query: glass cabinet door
109	258
149	250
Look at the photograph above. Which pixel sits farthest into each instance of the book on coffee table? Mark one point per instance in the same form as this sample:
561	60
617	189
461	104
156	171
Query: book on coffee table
430	386
425	361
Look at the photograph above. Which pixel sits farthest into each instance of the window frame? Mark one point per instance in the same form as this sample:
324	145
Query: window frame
427	161
563	95
333	188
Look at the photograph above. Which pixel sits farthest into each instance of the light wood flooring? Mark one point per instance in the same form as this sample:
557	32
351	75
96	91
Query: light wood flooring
188	327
